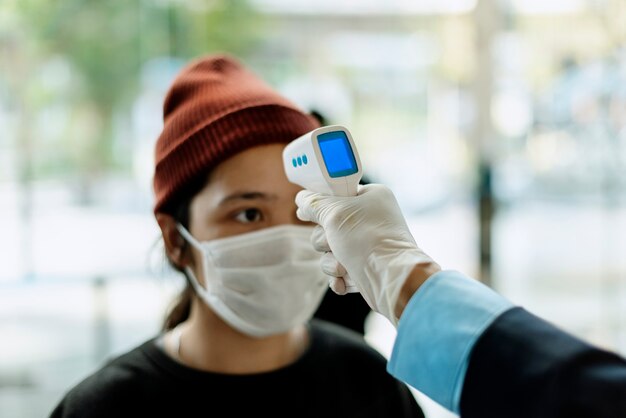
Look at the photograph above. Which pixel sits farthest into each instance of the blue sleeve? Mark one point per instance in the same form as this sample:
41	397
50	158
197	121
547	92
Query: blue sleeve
436	333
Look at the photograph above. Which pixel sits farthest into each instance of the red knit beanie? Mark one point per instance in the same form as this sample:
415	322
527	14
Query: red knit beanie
215	109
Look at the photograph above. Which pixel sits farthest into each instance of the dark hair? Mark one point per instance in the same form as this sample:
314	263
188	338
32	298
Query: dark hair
181	213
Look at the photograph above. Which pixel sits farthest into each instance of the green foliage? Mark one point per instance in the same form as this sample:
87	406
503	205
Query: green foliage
106	43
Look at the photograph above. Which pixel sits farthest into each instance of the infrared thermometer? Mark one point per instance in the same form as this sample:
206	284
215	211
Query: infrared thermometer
325	161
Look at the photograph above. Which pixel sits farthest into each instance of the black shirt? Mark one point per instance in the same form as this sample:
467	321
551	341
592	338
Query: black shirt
339	375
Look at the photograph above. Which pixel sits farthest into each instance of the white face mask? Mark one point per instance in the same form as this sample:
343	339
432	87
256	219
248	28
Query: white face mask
263	282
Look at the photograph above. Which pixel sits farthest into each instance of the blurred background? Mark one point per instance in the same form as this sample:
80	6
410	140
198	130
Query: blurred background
499	124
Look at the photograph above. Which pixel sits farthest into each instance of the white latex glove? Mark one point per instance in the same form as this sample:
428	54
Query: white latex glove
369	240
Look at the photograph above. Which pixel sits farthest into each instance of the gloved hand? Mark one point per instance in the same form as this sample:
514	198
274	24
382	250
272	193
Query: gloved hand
369	240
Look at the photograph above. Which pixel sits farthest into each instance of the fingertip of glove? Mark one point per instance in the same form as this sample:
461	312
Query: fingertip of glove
337	285
301	214
302	196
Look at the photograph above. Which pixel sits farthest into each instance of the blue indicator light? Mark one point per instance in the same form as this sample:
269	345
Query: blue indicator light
337	154
305	160
294	162
299	161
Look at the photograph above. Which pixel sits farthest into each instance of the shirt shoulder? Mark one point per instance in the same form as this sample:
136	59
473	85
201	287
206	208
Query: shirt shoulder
108	390
358	373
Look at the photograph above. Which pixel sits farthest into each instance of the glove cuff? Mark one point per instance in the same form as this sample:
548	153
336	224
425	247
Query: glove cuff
391	269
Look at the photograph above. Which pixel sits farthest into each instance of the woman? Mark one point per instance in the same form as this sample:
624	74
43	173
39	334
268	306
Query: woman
241	339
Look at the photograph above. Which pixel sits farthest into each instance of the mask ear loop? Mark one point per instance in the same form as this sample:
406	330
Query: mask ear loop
206	256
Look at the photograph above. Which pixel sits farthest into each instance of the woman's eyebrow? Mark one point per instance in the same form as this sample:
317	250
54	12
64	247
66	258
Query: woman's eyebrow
247	196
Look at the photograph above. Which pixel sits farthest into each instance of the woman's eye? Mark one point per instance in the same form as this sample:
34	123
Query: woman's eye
249	215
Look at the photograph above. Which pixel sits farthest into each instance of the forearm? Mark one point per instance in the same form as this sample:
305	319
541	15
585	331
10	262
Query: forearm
417	277
530	368
438	328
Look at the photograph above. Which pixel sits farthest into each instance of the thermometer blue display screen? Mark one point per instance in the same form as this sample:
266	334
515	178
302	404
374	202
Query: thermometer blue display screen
337	154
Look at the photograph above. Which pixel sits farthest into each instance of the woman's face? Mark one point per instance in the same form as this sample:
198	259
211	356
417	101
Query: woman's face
247	192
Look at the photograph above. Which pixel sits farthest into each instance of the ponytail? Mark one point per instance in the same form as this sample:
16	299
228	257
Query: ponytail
181	309
182	305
